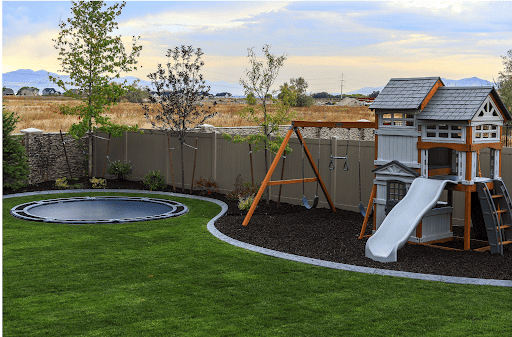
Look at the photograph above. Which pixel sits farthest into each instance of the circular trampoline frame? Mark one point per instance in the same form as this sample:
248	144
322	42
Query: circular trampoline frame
22	211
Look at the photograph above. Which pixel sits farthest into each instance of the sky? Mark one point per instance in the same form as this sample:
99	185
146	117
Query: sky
365	43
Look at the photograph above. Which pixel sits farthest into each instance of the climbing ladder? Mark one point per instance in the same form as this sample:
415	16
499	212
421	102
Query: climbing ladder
497	214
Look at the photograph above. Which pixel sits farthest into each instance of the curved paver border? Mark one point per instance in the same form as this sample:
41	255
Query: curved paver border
334	265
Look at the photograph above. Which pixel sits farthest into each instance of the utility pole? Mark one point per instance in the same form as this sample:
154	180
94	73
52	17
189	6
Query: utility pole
341	91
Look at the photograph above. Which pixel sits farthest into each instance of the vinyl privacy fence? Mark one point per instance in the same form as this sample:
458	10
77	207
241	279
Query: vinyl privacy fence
223	161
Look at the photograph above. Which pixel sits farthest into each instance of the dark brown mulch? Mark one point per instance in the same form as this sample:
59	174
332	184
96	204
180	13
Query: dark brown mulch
323	234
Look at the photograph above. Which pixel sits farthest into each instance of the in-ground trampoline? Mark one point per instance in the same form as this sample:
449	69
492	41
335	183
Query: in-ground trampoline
91	210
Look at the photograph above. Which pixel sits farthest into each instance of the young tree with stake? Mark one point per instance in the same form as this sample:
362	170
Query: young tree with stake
260	78
176	107
93	58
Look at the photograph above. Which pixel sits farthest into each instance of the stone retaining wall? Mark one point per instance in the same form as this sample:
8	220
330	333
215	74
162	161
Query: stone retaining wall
46	157
352	134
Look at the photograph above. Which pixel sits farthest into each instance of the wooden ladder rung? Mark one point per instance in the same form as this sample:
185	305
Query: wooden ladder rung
504	226
508	242
501	211
497	196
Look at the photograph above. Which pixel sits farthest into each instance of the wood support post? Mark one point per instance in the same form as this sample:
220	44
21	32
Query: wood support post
467	219
368	209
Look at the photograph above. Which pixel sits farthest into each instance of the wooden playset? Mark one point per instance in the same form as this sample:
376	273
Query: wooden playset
426	130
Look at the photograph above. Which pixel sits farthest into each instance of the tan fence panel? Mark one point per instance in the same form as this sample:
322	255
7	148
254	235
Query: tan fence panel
222	161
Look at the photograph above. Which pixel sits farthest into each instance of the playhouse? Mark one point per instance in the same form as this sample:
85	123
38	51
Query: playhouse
428	139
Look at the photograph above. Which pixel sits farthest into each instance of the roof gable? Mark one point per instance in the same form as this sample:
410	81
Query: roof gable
462	104
406	93
396	168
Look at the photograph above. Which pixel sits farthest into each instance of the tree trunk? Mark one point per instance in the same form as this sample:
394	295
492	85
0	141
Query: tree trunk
89	165
182	168
266	142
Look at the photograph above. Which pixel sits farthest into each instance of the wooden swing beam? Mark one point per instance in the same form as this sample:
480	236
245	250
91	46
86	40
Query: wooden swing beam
295	128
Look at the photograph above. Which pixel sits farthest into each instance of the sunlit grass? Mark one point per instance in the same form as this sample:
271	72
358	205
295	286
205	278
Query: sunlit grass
43	113
172	277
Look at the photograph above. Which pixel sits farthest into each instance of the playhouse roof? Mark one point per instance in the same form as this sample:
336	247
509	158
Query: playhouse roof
405	93
460	103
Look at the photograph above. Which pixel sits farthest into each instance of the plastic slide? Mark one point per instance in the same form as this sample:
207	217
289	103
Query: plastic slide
398	225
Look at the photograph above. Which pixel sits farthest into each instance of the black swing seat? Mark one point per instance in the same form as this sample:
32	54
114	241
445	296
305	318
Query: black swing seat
306	204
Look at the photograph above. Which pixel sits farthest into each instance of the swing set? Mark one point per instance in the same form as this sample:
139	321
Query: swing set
305	153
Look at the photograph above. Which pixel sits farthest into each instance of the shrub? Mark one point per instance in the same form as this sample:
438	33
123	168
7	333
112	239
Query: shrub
243	190
15	163
154	180
206	186
122	170
98	182
62	183
244	204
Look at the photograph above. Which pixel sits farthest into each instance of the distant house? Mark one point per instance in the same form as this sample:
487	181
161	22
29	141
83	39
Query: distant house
223	94
50	92
7	92
25	91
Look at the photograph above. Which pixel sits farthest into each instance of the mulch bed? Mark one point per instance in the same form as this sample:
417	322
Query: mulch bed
325	235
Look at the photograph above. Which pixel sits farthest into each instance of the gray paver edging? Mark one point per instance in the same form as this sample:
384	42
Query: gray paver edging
297	258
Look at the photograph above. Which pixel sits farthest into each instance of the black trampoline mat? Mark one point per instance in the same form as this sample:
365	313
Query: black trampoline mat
98	209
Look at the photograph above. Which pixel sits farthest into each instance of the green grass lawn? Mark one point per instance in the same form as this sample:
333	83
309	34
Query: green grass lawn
173	278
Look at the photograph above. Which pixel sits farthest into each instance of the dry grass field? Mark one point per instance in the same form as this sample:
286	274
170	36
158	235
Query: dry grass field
43	113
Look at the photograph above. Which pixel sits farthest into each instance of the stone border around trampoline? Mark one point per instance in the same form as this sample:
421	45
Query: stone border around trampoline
321	263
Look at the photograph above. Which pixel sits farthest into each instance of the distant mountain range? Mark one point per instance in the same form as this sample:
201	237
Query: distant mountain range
39	79
465	82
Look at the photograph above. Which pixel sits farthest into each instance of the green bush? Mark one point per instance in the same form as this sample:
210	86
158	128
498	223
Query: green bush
244	204
98	182
15	162
154	180
122	170
305	100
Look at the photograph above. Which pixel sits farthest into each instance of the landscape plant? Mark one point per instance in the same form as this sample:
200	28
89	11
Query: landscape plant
122	170
244	204
15	166
176	107
243	189
260	78
154	180
505	80
93	58
98	182
206	186
63	183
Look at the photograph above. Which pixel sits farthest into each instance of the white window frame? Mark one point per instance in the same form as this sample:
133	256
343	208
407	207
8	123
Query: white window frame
397	120
427	130
482	133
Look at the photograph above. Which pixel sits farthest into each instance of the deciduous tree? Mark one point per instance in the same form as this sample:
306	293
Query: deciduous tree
93	58
260	78
505	80
176	107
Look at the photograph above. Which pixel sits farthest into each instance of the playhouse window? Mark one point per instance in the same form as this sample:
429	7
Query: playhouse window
395	192
397	119
443	132
486	132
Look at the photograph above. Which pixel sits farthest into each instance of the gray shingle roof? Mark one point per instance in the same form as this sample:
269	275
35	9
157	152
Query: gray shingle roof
455	103
404	93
